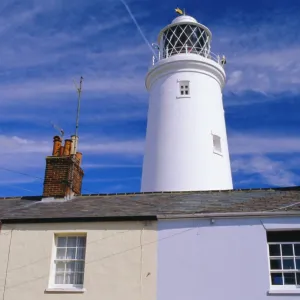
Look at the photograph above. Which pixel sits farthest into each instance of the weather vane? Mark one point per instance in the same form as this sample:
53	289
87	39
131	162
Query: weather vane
180	11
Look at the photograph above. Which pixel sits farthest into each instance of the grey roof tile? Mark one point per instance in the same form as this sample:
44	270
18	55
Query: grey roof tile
151	204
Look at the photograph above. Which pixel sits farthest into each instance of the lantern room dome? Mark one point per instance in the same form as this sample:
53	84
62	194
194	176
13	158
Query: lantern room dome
184	19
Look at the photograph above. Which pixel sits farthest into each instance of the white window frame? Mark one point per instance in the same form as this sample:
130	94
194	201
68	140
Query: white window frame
218	139
284	287
52	286
184	84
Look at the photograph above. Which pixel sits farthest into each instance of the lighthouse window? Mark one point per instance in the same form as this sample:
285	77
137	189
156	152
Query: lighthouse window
184	88
217	144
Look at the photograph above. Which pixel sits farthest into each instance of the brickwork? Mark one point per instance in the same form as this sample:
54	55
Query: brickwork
58	176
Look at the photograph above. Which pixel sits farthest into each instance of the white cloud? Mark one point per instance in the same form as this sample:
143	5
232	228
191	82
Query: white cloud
250	158
249	155
33	90
234	78
16	145
258	144
266	50
109	67
19	154
131	147
266	71
272	172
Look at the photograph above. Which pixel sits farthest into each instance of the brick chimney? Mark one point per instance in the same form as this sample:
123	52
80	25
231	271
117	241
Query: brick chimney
63	174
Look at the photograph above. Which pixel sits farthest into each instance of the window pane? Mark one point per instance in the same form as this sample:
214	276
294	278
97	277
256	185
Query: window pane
289	278
288	264
70	266
69	278
60	267
79	266
276	278
298	278
80	253
287	250
181	93
297	249
59	278
78	278
61	242
71	253
186	92
275	264
81	241
283	236
274	250
61	253
298	263
72	241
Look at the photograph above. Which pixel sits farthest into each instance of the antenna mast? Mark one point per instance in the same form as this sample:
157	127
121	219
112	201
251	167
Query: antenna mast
78	111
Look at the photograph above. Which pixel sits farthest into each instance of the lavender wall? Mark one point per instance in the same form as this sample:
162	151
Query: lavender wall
227	260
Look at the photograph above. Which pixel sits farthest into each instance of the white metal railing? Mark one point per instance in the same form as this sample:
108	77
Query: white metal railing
166	53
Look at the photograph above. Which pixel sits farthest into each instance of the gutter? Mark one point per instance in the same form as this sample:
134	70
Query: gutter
78	219
230	215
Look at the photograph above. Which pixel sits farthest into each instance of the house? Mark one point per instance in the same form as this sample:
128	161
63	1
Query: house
86	247
241	244
236	245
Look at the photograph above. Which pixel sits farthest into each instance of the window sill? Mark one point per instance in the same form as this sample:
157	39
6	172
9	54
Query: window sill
65	290
284	292
178	97
218	153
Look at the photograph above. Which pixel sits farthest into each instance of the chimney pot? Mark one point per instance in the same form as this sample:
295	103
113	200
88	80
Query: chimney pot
56	145
74	139
68	146
61	153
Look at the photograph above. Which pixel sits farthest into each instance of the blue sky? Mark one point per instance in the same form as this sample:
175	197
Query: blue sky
47	44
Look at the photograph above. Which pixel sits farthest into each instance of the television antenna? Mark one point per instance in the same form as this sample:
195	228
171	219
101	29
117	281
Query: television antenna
60	130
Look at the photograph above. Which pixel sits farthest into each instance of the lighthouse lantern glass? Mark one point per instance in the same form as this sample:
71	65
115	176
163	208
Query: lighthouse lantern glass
185	38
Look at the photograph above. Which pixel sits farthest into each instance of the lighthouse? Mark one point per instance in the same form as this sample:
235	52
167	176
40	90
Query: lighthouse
186	145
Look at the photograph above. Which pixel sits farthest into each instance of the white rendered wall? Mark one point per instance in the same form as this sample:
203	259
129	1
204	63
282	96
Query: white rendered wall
227	260
179	152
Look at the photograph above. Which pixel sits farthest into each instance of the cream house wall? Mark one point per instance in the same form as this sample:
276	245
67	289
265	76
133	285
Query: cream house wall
120	260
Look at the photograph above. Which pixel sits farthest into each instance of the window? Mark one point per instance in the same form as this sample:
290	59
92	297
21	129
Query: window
217	144
184	88
69	262
284	256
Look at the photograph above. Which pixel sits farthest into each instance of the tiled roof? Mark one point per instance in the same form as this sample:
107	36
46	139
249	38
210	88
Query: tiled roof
150	205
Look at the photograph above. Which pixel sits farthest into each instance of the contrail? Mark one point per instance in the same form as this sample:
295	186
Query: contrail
138	27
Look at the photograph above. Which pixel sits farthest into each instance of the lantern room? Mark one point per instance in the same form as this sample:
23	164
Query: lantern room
184	35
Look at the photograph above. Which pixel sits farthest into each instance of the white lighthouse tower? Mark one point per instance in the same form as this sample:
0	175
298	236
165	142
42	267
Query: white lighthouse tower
186	142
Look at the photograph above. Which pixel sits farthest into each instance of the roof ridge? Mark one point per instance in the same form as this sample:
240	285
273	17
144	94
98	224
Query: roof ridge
289	188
